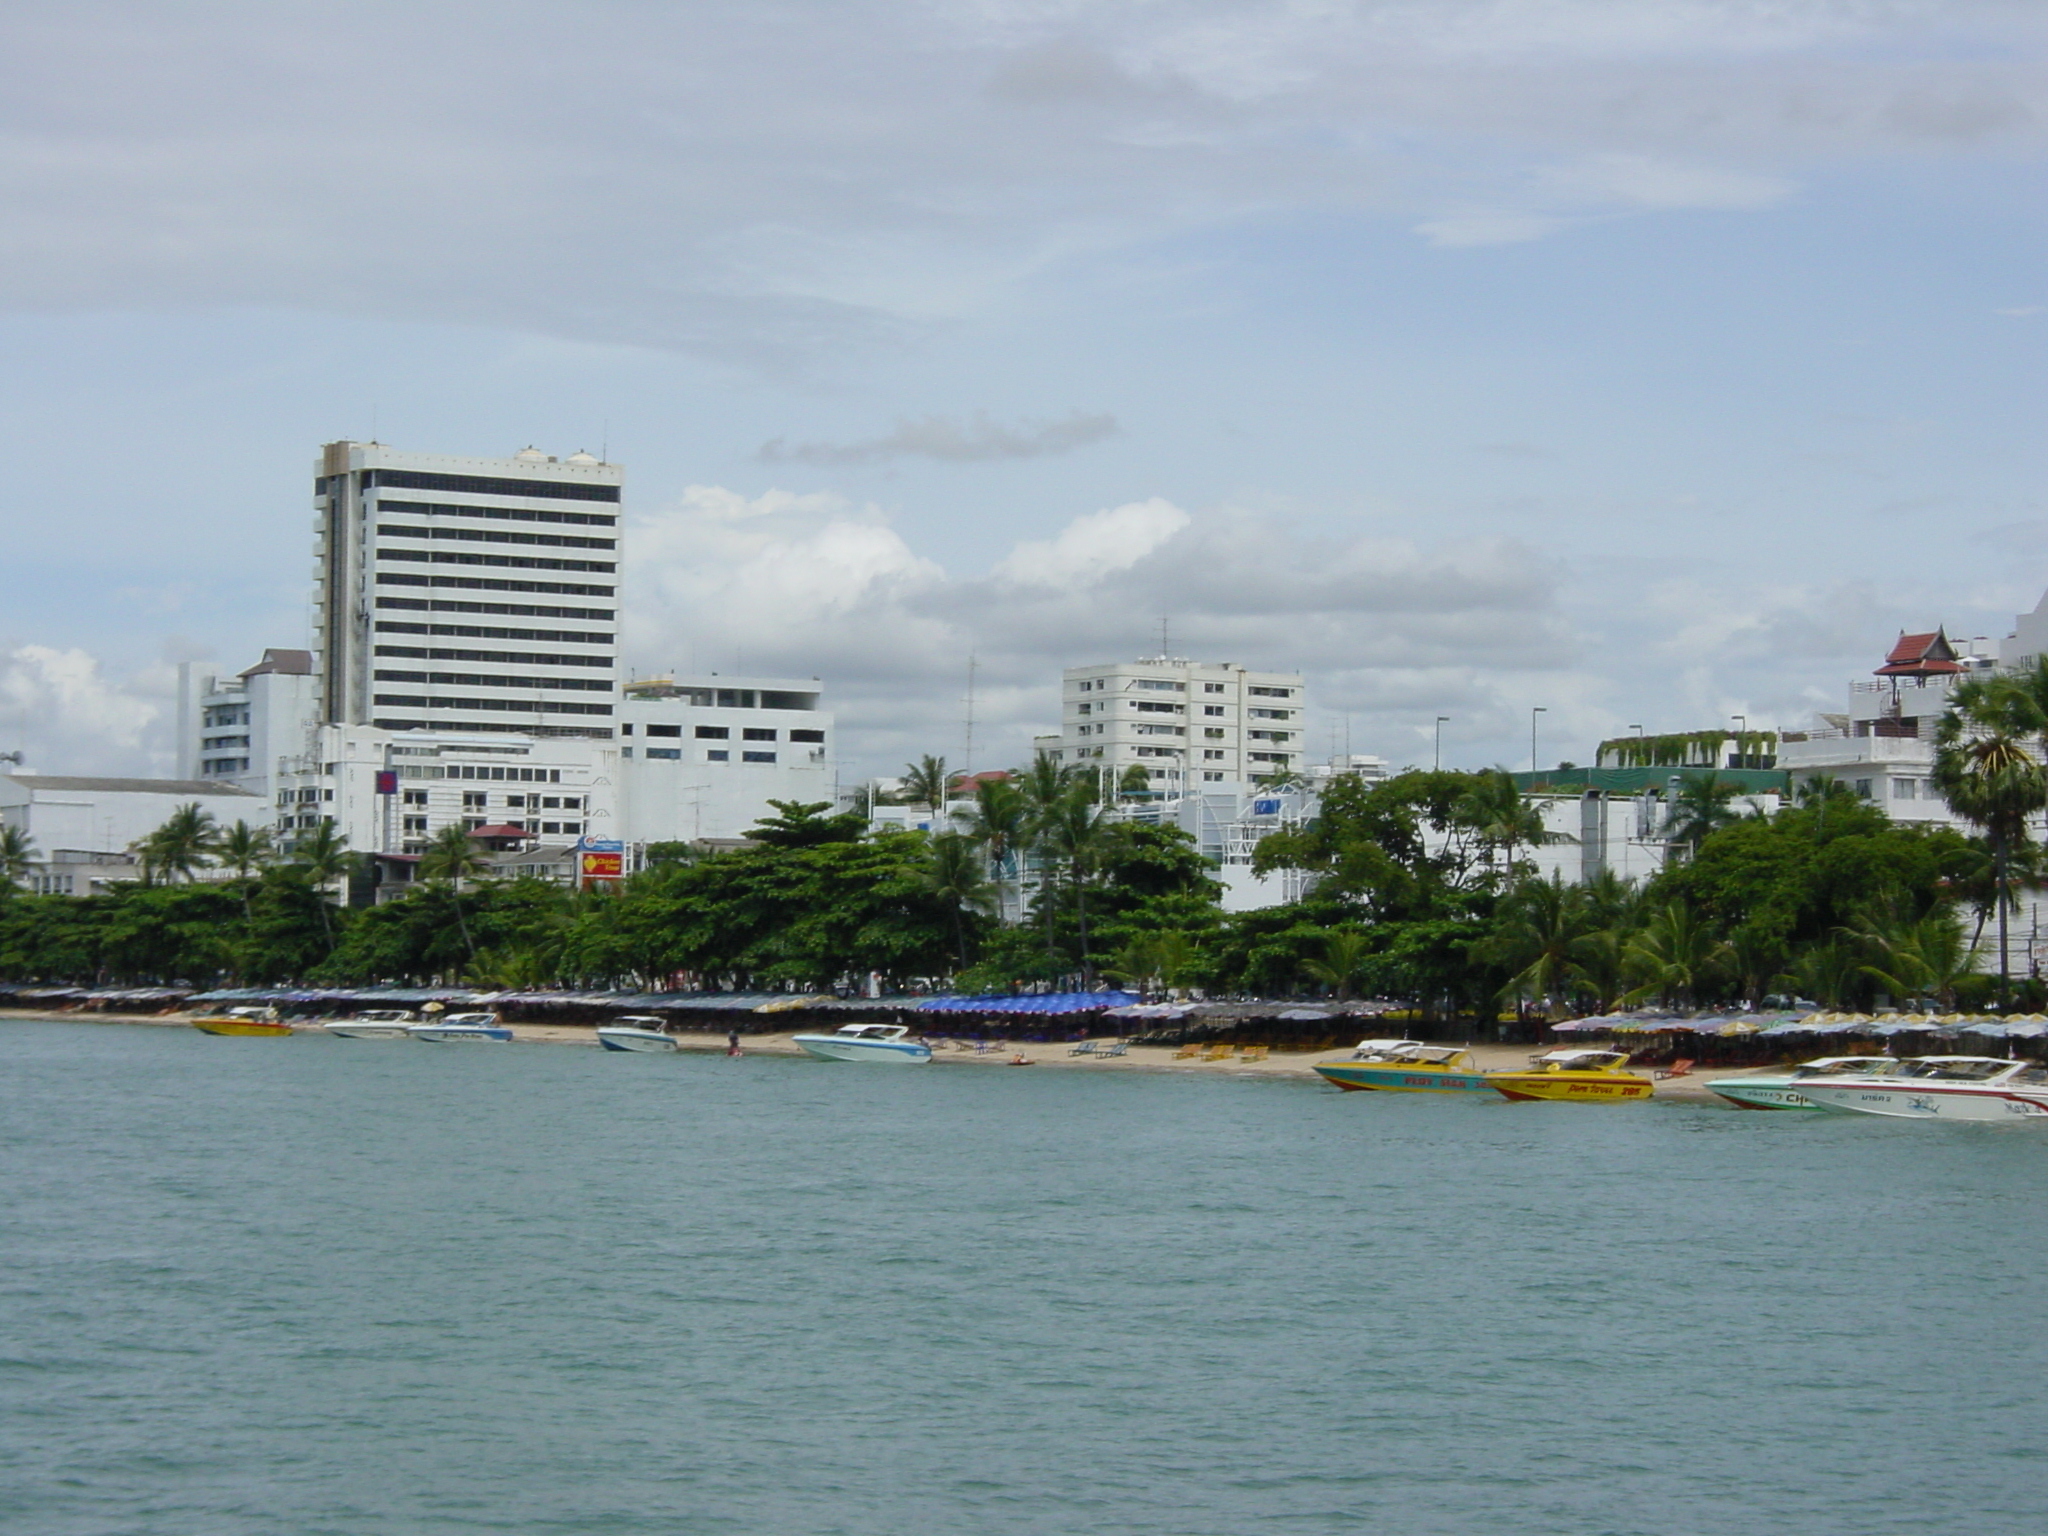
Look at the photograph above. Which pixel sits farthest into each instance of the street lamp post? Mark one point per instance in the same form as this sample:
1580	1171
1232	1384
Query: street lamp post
1440	719
1540	709
1741	730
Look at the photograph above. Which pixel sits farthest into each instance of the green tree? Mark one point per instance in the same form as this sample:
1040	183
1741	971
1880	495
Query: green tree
184	843
927	783
1346	959
1536	934
454	856
1073	833
1503	818
322	853
1704	804
957	874
1673	956
1001	824
17	856
1985	770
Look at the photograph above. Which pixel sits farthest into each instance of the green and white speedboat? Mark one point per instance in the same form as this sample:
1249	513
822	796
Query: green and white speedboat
1779	1090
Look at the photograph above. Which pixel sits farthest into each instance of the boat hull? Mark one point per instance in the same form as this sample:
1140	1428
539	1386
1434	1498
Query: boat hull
1570	1087
1761	1093
435	1034
898	1053
239	1027
634	1040
347	1031
1930	1101
1391	1077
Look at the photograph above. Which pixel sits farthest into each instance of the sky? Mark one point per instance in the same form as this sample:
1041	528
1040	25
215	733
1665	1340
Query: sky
1586	363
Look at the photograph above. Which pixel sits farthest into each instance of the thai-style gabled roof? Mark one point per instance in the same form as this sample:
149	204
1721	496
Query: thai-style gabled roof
1928	655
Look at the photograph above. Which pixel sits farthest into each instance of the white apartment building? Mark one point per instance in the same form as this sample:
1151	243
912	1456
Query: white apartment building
701	756
1194	727
251	722
466	594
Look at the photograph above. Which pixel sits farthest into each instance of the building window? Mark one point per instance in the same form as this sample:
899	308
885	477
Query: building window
1212	755
814	736
1216	710
714	733
1270	714
757	757
1212	777
1144	706
670	730
626	729
673	753
1212	687
1905	789
472	799
1212	733
718	757
1157	685
1271	693
754	733
415	824
1863	788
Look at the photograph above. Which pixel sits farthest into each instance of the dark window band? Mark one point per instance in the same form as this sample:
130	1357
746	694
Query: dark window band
470	583
484	680
507	610
517	727
488	485
500	514
507	562
493	706
495	536
514	658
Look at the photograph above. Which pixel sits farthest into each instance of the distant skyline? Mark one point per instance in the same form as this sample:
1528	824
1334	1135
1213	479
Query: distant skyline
1647	361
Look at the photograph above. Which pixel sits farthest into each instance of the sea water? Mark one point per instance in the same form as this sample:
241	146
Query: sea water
308	1286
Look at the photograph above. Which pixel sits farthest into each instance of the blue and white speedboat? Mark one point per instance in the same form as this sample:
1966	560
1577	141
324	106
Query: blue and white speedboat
867	1042
635	1032
1780	1090
460	1028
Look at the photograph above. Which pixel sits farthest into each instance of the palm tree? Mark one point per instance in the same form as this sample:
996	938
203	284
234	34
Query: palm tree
957	875
1073	832
1167	956
323	854
1916	957
1674	956
17	855
1756	953
244	848
1346	956
1044	785
455	856
1540	926
181	845
1001	823
1702	806
926	783
1983	768
1501	816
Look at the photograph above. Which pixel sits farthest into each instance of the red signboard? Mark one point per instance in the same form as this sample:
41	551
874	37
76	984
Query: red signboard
387	781
602	866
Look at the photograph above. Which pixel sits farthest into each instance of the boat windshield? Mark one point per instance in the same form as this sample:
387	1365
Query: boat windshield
1845	1066
470	1018
638	1021
1968	1069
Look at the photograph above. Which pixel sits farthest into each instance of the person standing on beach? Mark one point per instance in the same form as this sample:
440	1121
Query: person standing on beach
732	1040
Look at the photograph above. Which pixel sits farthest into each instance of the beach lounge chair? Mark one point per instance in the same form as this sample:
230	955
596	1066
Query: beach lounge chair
1085	1048
1679	1068
1220	1051
1114	1048
1255	1053
1186	1051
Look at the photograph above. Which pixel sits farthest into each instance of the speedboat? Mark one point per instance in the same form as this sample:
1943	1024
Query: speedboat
1940	1088
1406	1066
867	1042
636	1032
1578	1075
241	1021
1780	1090
373	1024
454	1028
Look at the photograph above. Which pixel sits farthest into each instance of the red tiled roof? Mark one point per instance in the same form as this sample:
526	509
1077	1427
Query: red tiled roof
1920	656
504	830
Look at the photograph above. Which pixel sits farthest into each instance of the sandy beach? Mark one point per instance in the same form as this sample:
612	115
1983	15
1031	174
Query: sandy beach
1058	1054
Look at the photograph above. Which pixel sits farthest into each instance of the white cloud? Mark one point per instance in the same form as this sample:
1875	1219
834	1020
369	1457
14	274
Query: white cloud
938	437
1093	548
65	714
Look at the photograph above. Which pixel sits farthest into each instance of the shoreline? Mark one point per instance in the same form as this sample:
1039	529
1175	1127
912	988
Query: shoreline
1291	1065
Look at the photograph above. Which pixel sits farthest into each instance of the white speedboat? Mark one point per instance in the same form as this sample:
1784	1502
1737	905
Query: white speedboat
458	1028
1940	1088
1781	1090
635	1032
373	1024
867	1042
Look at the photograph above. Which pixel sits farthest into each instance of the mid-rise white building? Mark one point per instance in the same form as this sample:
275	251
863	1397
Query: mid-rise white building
1193	727
251	722
83	828
701	756
467	594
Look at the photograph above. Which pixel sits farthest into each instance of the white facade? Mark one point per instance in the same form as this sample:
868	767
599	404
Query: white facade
702	756
554	790
250	723
82	828
478	595
1194	727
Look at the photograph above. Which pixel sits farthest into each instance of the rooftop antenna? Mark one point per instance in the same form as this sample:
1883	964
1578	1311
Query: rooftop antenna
604	441
967	754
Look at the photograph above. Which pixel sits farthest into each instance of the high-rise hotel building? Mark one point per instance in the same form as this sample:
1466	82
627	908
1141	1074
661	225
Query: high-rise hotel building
462	594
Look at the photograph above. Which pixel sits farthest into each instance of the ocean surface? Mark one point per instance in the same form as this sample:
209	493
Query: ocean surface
299	1287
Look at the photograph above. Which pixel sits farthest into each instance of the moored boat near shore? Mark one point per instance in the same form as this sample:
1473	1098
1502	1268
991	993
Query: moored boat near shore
1780	1090
241	1021
462	1028
1406	1066
1979	1088
867	1042
635	1032
1575	1075
373	1024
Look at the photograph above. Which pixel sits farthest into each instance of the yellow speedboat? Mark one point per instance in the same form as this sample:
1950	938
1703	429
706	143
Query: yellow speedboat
1405	1066
1589	1077
242	1021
